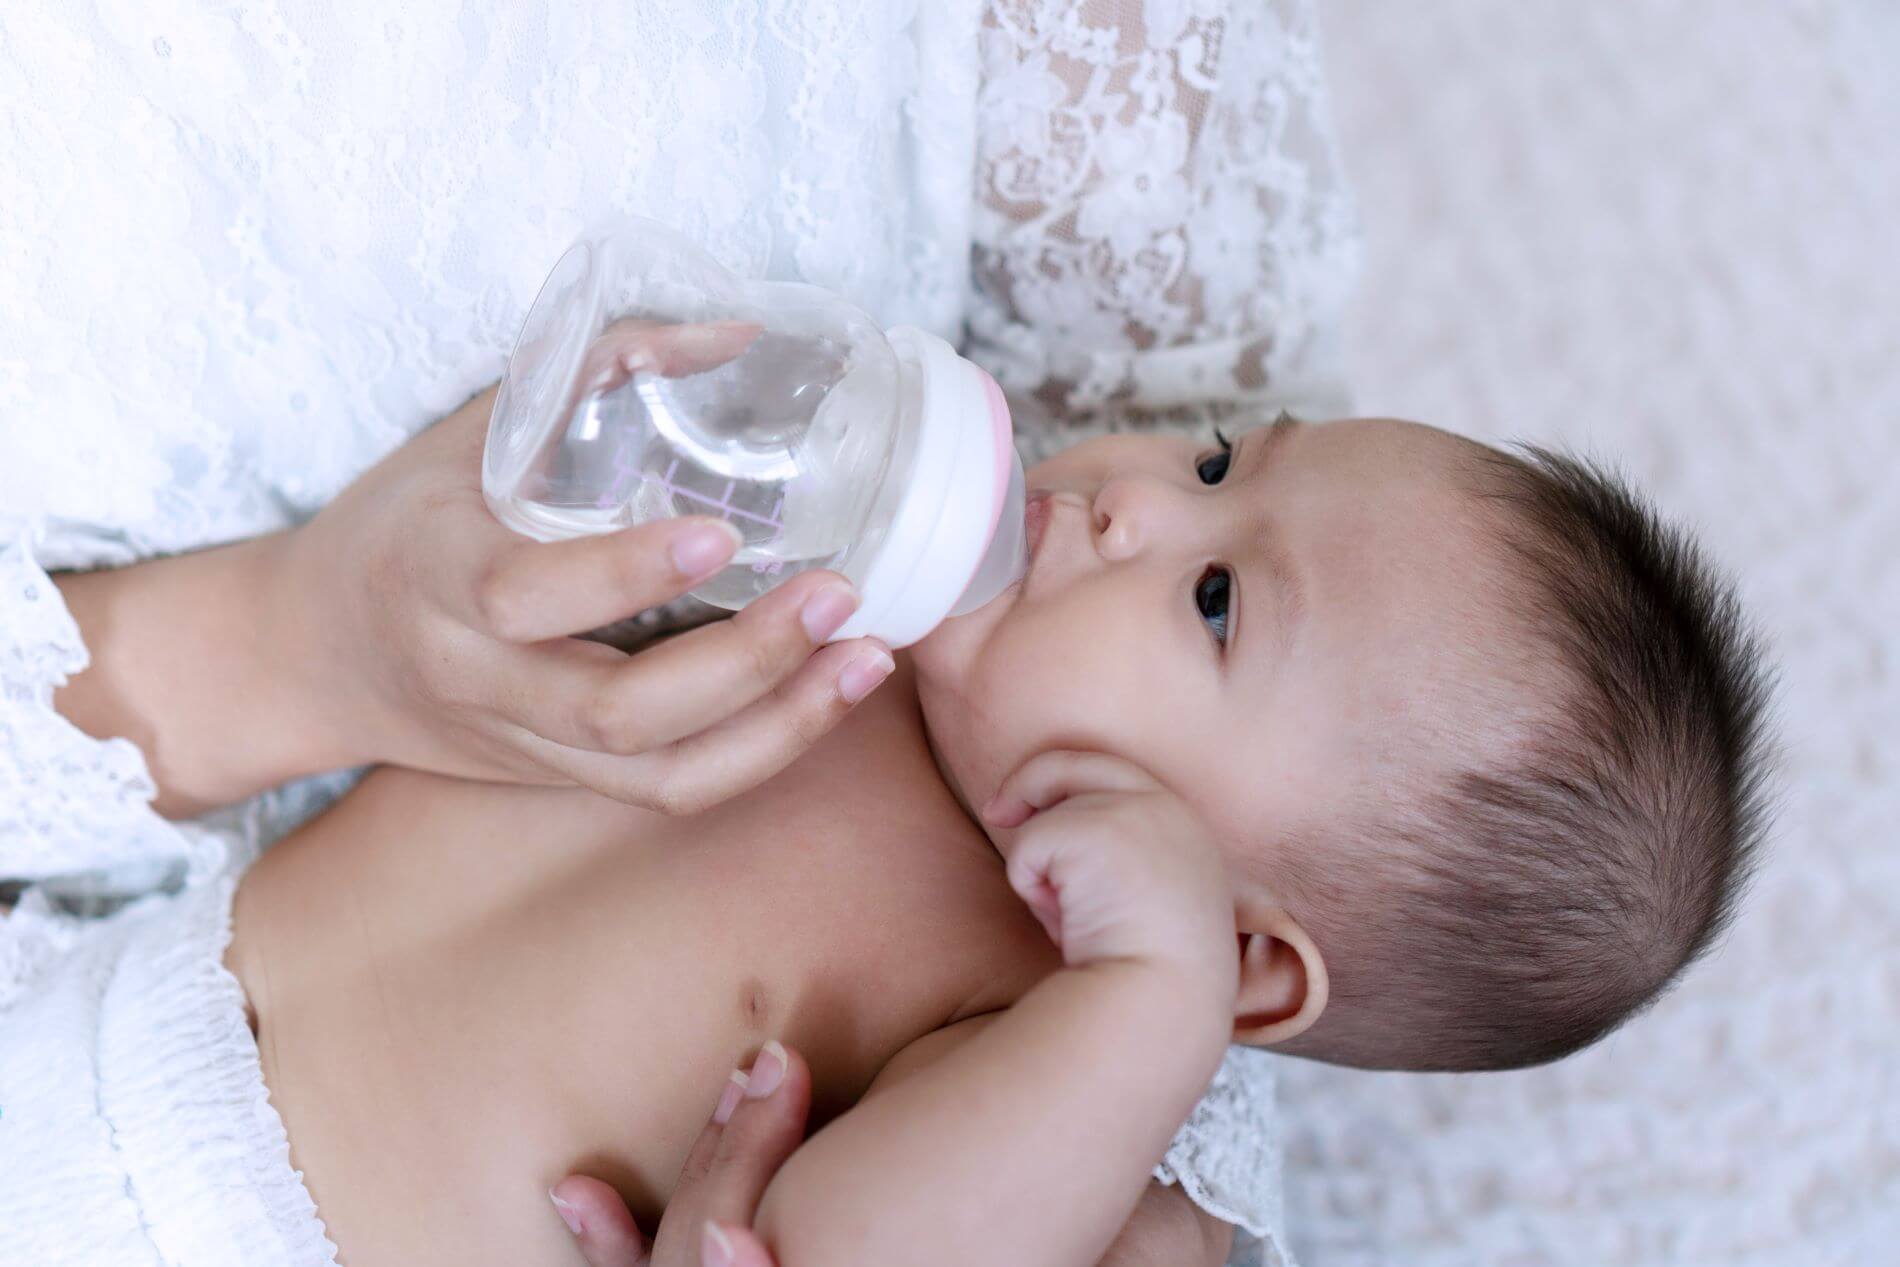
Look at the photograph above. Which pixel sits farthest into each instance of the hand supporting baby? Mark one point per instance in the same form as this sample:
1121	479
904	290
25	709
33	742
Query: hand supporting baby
708	1221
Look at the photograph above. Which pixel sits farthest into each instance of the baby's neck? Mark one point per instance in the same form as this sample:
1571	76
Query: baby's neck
882	746
888	738
904	679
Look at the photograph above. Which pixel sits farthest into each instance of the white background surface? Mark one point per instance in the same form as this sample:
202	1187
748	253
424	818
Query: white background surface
1665	233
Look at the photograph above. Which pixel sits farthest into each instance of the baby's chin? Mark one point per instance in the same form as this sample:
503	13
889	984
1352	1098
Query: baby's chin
950	683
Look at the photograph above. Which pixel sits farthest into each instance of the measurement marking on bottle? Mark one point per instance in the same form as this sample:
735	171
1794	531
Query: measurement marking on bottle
623	470
725	505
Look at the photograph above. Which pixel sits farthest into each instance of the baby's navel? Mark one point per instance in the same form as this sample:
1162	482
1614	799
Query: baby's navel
754	1003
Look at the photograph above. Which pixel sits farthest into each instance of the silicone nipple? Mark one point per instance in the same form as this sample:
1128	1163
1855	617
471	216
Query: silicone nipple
1006	554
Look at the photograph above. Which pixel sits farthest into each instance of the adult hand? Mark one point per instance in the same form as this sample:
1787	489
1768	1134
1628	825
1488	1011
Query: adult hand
707	1223
426	634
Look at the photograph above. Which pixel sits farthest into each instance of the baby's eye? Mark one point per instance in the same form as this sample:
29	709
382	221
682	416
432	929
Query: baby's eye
1210	599
1219	461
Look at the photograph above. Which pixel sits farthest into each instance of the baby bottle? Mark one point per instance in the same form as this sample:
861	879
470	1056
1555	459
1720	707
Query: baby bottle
649	382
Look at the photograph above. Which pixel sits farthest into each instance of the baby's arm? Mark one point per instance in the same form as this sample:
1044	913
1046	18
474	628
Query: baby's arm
1031	1140
1165	1228
1029	1143
1169	1230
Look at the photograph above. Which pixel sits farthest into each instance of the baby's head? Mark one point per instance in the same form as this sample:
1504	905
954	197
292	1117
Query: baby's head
1480	739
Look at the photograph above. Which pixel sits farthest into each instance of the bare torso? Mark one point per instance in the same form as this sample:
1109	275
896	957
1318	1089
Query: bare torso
464	991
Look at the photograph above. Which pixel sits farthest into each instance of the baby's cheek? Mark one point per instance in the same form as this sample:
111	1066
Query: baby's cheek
1086	689
943	657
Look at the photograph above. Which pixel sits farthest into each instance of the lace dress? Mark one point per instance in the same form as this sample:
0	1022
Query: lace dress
246	251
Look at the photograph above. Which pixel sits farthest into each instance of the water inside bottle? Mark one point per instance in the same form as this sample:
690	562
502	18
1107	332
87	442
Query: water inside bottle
760	439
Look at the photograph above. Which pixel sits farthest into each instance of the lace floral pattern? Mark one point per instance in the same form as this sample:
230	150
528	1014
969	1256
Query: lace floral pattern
1162	232
68	802
1227	1156
245	252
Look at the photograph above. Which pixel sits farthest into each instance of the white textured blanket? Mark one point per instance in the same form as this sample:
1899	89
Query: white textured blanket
1670	234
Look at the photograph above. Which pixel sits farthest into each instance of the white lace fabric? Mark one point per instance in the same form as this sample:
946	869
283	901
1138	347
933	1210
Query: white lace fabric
245	252
69	802
1163	234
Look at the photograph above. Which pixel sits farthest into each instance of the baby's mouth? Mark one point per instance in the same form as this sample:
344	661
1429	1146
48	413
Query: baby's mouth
1036	510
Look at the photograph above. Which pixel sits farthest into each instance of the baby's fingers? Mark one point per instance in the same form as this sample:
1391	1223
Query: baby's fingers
1055	774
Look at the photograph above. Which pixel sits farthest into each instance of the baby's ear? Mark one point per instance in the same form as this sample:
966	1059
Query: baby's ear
1283	984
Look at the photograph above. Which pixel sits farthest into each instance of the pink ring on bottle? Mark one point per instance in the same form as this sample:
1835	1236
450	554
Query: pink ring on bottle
999	425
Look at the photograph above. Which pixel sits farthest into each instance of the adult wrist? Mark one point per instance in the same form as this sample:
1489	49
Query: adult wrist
181	665
297	645
252	723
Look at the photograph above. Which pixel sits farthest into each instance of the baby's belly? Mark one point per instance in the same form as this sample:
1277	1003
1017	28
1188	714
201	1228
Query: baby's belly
461	998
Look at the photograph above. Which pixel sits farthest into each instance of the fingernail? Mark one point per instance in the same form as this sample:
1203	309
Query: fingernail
864	673
729	1098
704	546
569	1215
767	1072
715	1247
824	611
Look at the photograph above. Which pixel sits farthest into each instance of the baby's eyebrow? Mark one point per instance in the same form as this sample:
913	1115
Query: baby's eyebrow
1283	578
1277	432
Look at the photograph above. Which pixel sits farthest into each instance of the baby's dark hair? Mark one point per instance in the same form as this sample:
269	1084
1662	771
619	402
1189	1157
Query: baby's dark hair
1530	905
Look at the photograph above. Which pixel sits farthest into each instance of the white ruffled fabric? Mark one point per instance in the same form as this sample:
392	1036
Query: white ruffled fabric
137	1127
244	254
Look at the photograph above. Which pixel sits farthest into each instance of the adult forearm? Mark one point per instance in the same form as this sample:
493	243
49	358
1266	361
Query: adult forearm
182	664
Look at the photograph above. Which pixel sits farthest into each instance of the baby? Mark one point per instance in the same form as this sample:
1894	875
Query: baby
1357	740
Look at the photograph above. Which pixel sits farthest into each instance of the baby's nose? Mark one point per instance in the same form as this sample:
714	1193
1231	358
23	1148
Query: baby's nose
1127	513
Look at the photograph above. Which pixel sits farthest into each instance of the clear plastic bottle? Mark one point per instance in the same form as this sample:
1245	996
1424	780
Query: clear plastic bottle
650	382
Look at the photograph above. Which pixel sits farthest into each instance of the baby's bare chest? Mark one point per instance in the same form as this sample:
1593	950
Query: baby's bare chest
584	1003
